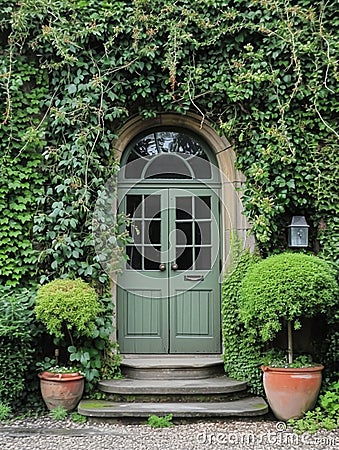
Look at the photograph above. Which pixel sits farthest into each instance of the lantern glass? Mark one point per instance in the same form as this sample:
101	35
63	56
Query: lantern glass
298	232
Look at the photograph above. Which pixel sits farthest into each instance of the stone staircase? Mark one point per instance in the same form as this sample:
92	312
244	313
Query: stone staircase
187	386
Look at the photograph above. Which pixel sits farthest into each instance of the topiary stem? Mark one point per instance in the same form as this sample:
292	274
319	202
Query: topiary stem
289	342
70	337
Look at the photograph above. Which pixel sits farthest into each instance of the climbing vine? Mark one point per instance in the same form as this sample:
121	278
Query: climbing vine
73	71
21	180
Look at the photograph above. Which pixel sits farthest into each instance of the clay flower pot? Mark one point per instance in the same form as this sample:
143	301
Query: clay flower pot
61	389
292	391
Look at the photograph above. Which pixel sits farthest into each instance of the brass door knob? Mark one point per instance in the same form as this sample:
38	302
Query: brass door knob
162	267
174	266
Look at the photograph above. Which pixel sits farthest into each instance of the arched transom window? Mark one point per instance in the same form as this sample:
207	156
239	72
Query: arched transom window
167	154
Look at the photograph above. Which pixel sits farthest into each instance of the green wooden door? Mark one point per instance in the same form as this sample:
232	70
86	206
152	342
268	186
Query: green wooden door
169	293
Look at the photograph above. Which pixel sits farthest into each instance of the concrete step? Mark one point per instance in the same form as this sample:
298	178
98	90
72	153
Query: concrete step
199	387
247	407
171	367
187	386
216	389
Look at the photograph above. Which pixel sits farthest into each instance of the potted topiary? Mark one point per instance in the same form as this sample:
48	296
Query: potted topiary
68	309
286	288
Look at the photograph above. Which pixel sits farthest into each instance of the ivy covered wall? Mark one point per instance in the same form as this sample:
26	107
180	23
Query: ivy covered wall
72	72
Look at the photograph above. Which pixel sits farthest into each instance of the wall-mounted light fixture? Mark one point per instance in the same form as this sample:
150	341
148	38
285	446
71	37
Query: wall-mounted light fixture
298	232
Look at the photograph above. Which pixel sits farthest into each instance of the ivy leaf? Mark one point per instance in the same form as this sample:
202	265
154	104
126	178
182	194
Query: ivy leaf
71	88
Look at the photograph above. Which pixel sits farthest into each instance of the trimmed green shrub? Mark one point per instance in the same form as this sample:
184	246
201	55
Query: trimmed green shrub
286	287
81	322
66	304
251	323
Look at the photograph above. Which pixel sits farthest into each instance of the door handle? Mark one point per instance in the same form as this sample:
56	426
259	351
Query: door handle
174	266
193	277
162	267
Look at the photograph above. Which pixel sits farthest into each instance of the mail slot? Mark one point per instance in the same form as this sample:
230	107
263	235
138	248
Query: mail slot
193	277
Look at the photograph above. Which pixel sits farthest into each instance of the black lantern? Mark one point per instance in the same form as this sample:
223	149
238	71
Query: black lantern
298	232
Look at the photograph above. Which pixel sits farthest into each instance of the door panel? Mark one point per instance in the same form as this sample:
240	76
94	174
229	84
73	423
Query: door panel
194	289
142	316
142	305
169	294
192	313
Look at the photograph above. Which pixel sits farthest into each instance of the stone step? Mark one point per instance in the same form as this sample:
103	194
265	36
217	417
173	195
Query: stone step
171	367
247	407
185	389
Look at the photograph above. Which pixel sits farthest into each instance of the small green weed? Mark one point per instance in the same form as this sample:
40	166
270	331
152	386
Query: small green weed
78	418
160	422
59	413
5	411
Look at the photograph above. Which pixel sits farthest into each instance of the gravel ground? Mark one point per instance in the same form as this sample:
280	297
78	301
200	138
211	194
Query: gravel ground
252	434
45	434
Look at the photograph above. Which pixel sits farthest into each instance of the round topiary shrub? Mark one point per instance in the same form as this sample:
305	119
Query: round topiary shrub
286	287
66	304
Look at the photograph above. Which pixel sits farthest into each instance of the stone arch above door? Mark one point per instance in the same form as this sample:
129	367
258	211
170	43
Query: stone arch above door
220	145
231	179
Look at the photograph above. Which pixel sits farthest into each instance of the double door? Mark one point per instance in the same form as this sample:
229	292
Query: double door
168	297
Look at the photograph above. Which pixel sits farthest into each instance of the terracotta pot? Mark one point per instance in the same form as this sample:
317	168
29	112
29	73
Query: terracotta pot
291	392
61	389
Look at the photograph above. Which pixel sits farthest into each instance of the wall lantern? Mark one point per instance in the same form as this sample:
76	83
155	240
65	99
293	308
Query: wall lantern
298	232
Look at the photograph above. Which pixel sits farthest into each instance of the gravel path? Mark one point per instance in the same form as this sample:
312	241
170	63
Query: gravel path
47	434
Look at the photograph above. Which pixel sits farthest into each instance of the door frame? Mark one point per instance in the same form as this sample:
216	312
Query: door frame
232	218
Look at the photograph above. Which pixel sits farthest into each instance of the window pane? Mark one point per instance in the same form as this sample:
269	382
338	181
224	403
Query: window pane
152	206
133	208
135	231
184	233
202	207
202	258
152	232
201	168
134	255
147	146
134	166
183	208
202	233
184	258
168	166
152	258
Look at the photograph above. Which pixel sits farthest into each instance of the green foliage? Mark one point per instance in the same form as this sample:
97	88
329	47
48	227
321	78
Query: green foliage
59	413
160	422
264	75
326	415
72	72
287	286
245	345
97	355
242	349
60	369
74	306
278	358
5	411
21	140
18	334
67	304
78	418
